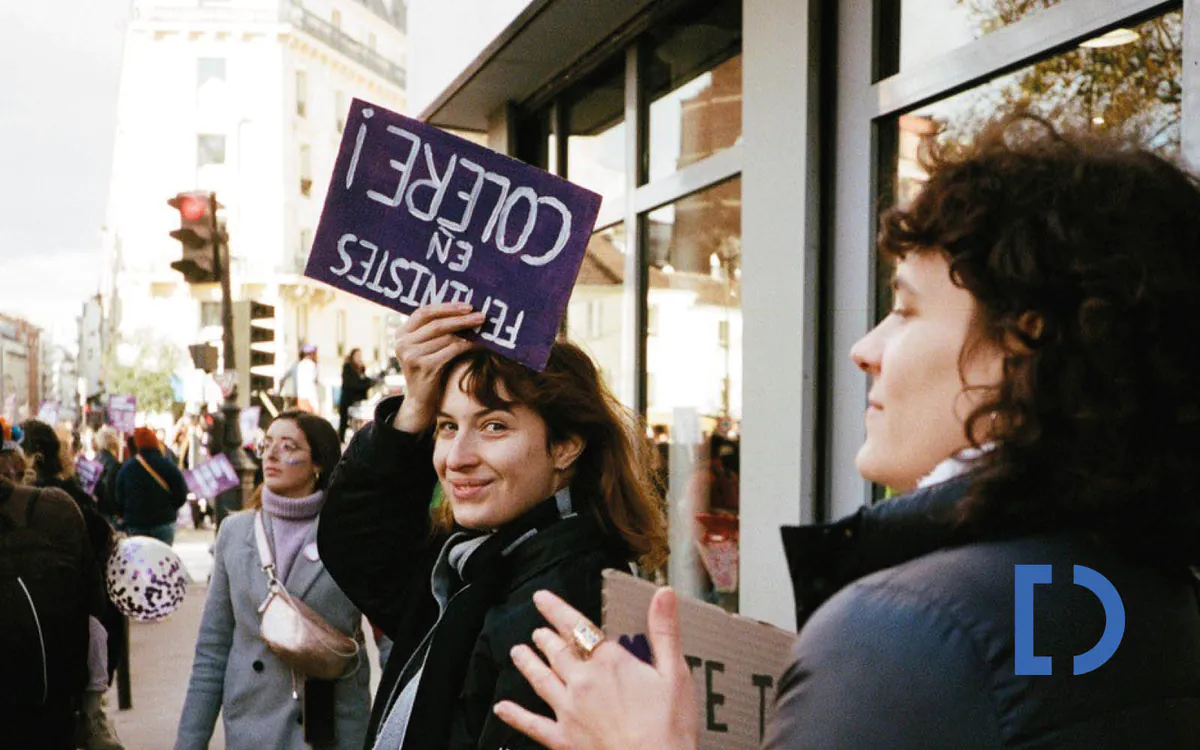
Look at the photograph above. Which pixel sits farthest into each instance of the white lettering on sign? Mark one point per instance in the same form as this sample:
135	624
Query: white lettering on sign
417	285
460	188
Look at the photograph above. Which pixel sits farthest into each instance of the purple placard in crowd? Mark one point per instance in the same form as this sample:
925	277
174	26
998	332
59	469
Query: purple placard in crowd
48	413
248	422
89	472
415	215
212	477
122	413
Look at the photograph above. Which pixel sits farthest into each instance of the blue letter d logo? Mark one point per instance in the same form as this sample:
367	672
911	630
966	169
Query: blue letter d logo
1025	577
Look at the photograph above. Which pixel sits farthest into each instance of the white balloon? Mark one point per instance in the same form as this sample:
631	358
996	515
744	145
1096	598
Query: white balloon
146	578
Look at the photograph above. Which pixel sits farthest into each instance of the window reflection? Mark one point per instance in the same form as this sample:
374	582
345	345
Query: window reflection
929	28
594	314
694	83
1128	84
596	136
694	387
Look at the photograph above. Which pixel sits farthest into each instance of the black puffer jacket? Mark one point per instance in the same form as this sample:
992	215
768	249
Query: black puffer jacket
375	540
919	652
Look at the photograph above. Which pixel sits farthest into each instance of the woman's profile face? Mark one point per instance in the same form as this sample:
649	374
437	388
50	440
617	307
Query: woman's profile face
288	470
494	464
917	402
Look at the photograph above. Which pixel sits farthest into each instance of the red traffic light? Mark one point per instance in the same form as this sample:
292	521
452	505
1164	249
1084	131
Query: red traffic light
192	207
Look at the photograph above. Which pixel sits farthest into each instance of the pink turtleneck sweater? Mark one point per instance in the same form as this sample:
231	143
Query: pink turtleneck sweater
292	519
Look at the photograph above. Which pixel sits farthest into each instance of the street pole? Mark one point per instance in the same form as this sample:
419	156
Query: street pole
231	438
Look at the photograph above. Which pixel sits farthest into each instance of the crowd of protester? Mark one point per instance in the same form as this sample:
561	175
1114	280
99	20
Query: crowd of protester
1032	400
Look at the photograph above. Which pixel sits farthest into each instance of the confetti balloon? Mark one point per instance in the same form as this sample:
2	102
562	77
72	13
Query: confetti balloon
146	578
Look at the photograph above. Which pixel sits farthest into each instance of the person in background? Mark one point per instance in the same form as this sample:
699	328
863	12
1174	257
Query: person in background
1033	395
150	490
12	458
108	448
263	704
45	452
49	588
303	380
355	386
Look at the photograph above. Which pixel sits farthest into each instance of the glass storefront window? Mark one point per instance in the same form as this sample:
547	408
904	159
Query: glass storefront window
1133	89
595	312
929	28
694	382
596	136
694	84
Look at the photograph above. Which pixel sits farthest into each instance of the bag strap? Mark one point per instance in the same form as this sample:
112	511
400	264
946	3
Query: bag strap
146	465
264	549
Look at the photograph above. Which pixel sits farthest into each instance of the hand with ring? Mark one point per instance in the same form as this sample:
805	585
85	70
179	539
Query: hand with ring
603	697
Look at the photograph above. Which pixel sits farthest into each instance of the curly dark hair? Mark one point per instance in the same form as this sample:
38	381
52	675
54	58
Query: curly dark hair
1083	255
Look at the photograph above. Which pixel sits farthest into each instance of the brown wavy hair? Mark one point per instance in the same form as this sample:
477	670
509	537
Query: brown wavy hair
612	477
1083	256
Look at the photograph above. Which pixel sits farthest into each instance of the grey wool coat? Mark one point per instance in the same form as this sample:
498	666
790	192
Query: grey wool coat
236	674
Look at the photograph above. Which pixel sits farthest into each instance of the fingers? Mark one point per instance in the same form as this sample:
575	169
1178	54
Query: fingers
544	682
666	641
535	726
557	612
560	653
437	320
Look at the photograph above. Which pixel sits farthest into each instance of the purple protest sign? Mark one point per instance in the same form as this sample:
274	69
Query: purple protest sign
212	477
416	216
248	422
48	413
122	413
88	472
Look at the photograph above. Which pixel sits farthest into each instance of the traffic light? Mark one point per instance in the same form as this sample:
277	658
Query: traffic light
197	231
254	348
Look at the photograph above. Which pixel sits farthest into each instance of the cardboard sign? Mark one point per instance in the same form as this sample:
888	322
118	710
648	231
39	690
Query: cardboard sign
122	413
88	472
736	662
212	477
416	216
48	413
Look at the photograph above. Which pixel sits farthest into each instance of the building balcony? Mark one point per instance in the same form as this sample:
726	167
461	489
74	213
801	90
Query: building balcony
330	35
201	14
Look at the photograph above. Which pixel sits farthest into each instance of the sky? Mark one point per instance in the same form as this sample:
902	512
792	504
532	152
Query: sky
58	95
61	64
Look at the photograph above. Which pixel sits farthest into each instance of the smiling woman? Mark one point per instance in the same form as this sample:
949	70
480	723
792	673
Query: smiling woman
545	483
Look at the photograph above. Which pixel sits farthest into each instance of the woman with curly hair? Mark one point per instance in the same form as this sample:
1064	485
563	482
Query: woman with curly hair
545	483
1034	393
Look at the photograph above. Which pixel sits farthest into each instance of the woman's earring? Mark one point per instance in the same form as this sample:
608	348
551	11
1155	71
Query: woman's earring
317	472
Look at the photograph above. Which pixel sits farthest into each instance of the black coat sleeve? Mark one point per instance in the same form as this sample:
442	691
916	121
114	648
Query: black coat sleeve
374	535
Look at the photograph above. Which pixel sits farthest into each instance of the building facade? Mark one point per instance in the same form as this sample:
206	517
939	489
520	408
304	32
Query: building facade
20	368
743	149
246	98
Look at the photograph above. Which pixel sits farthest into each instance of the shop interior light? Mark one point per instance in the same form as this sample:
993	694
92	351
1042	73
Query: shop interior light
1114	38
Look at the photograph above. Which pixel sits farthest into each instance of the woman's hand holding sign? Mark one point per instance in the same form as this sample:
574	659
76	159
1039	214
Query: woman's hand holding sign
610	699
426	343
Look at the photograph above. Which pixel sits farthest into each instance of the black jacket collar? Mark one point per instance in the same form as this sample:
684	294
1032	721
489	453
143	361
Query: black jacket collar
532	543
825	557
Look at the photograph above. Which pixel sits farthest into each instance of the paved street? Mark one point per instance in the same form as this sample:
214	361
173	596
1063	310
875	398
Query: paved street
161	659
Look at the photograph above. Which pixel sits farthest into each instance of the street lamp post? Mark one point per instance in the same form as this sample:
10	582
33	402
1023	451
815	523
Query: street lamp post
231	437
